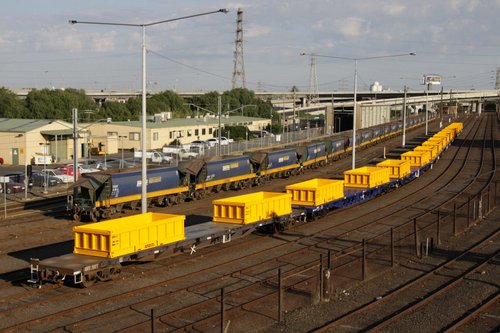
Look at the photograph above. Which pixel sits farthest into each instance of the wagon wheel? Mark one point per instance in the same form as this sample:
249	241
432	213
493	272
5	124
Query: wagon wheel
217	188
200	194
93	216
119	208
115	271
134	204
181	197
88	281
167	202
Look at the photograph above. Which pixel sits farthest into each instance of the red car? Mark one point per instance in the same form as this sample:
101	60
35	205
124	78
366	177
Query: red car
67	170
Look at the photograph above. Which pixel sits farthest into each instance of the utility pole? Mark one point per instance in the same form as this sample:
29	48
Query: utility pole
404	118
239	62
313	81
75	144
219	110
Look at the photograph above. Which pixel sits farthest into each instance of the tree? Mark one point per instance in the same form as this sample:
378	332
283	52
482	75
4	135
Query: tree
57	104
11	106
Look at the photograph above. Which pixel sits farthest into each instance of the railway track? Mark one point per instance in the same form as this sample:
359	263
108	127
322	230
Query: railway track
419	292
242	272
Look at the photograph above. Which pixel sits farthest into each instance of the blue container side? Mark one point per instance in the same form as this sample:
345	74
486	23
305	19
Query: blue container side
281	158
229	167
129	183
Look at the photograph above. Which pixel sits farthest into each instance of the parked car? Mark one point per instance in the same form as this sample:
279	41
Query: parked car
58	174
225	141
263	133
213	142
88	168
38	179
202	143
17	177
115	163
67	169
13	185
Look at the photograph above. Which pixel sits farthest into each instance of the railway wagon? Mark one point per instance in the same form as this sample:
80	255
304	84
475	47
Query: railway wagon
397	168
335	148
312	155
125	235
252	207
275	163
218	174
100	195
366	177
431	149
417	159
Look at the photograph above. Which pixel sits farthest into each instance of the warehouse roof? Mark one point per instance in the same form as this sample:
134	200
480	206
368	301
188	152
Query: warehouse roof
179	122
25	125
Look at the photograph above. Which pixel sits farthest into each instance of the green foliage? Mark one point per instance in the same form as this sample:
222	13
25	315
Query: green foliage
232	101
11	106
235	132
176	142
57	104
116	111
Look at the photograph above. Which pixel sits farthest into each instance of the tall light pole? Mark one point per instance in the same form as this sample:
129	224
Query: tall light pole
426	112
356	88
143	26
219	134
404	118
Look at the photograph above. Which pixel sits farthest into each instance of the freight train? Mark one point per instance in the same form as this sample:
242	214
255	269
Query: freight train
101	248
98	196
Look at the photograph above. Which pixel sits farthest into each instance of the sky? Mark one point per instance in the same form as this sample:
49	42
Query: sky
457	39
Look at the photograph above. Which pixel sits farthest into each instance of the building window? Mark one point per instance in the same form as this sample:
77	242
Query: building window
189	132
196	132
134	136
112	134
210	130
155	136
203	131
171	135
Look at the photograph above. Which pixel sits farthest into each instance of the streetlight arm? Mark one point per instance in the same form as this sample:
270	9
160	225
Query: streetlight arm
365	58
223	10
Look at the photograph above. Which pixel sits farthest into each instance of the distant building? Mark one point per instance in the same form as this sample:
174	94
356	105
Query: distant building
24	141
127	134
376	87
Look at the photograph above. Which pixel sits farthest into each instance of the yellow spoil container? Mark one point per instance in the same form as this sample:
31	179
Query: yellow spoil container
438	143
366	177
448	133
126	235
253	207
416	158
397	168
316	191
431	149
443	136
453	130
457	125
